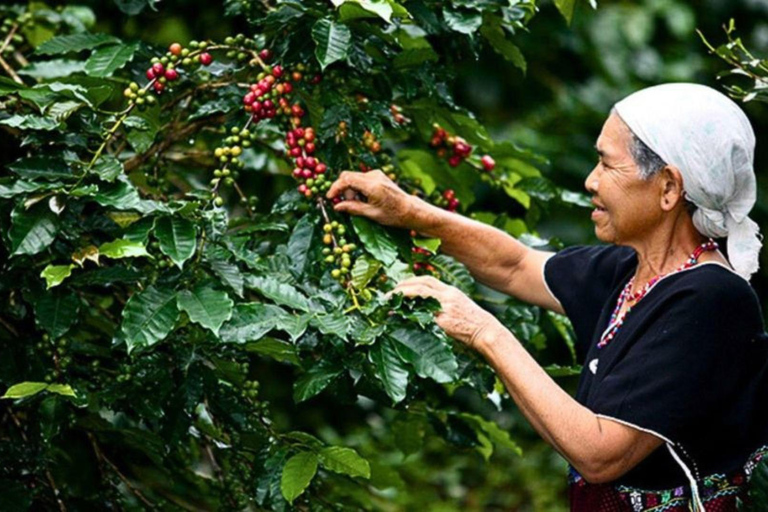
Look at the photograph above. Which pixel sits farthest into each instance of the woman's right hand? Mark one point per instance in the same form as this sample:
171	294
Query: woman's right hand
386	203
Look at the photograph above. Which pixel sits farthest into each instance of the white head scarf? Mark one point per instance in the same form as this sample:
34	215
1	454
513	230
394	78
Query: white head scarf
709	139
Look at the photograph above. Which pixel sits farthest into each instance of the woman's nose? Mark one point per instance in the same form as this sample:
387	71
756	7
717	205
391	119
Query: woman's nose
591	182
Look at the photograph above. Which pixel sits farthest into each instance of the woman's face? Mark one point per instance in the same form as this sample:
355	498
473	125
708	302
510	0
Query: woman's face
627	208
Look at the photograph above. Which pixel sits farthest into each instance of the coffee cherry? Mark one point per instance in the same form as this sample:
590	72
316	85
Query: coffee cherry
265	55
175	49
205	58
488	162
171	75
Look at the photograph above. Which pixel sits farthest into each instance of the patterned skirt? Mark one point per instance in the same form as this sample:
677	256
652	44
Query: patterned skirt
719	493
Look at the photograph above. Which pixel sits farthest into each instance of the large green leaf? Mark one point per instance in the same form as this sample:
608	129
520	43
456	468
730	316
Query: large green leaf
35	167
297	474
566	9
56	311
31	122
429	355
74	43
122	248
389	369
250	322
54	275
300	243
375	240
149	316
494	33
206	306
363	271
108	168
282	293
106	60
454	273
24	389
177	237
315	380
228	272
462	21
332	40
276	349
345	461
32	230
56	68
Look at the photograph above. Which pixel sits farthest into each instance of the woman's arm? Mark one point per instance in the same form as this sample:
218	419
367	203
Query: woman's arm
600	449
493	257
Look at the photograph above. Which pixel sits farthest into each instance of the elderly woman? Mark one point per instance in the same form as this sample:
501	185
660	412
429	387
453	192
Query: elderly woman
670	409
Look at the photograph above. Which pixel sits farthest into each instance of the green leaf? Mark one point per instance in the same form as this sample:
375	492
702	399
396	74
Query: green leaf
389	369
206	306
282	293
375	240
332	40
56	312
414	57
566	9
55	274
276	349
495	35
429	355
555	370
149	317
105	61
297	474
56	68
32	230
364	269
430	244
177	237
462	21
335	324
300	243
499	437
31	122
122	248
315	380
25	389
250	322
228	272
36	167
108	168
74	43
345	461
454	273
61	389
352	9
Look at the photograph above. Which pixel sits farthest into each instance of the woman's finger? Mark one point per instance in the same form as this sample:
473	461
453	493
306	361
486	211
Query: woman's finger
349	179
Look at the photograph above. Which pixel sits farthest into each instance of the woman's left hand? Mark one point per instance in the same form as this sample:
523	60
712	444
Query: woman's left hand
461	318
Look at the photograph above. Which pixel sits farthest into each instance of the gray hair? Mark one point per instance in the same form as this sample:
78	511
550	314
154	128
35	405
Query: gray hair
647	161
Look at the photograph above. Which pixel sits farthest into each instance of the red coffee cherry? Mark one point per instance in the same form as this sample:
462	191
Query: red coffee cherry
206	58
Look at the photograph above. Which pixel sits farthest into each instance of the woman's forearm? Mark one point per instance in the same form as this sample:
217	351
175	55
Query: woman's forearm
490	254
572	429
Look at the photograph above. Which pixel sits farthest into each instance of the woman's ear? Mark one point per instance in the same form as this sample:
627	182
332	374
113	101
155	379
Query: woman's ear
672	192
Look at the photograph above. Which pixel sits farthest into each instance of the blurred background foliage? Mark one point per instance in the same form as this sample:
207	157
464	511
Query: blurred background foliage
574	75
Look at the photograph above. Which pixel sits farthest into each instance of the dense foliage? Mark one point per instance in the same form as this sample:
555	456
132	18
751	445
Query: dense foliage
164	313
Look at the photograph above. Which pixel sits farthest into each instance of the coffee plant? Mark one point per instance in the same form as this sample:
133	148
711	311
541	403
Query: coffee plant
185	316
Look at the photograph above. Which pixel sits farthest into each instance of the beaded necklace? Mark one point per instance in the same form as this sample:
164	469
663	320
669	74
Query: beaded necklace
627	295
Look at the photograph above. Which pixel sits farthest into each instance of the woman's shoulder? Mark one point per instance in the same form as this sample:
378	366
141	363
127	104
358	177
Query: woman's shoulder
712	289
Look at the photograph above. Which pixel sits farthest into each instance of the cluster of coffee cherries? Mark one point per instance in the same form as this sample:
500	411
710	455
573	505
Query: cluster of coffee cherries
447	199
138	96
339	253
266	98
455	148
397	114
421	263
165	70
370	142
342	130
58	351
308	170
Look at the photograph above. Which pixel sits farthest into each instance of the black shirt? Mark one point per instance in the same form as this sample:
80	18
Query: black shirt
689	364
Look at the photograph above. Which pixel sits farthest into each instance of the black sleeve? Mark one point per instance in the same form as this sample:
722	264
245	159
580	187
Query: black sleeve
582	279
689	363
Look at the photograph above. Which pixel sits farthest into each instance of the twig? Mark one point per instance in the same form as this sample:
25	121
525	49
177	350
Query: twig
48	475
8	69
8	38
9	327
134	490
